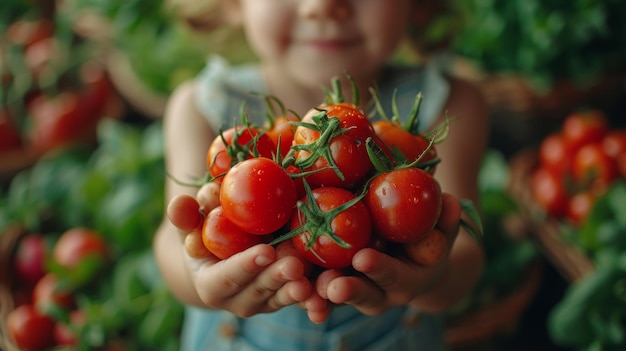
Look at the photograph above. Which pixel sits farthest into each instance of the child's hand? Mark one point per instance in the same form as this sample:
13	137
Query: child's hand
388	281
256	280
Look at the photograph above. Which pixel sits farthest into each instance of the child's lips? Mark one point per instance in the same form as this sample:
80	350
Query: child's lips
330	44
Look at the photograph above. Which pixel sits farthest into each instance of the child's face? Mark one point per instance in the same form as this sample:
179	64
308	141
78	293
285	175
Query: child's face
313	40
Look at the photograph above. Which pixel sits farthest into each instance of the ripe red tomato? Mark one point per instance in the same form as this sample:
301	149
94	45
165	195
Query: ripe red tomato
28	32
579	205
258	196
346	150
234	145
555	152
581	128
30	257
49	292
96	89
297	180
548	191
30	329
76	245
60	121
66	334
614	143
10	136
411	146
404	203
322	229
282	132
223	238
592	167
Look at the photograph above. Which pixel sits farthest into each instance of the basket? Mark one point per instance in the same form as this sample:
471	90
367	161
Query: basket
8	238
571	263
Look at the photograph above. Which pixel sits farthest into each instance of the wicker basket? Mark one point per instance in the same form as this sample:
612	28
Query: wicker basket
8	238
566	258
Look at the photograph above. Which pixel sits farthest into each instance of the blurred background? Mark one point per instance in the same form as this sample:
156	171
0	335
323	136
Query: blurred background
84	85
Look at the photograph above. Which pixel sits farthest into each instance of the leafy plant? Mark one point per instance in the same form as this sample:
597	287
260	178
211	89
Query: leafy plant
544	40
592	315
117	190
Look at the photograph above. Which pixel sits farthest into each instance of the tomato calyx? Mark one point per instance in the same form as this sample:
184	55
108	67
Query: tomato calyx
412	123
329	128
317	222
382	163
335	95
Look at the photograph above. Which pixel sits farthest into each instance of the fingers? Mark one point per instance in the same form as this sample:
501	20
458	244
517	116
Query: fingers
253	281
450	214
184	212
208	196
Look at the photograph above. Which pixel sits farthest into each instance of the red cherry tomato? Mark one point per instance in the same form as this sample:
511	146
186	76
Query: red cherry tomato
258	196
30	257
411	146
592	167
234	145
48	292
78	244
223	238
60	121
347	150
66	334
351	225
579	205
548	191
581	128
555	152
10	136
405	204
282	132
614	143
30	329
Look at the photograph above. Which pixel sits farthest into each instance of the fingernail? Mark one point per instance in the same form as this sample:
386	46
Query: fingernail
262	261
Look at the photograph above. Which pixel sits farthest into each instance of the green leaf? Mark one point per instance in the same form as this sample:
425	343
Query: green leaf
494	171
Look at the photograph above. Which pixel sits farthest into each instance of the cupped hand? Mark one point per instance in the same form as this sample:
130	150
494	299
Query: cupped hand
253	281
384	281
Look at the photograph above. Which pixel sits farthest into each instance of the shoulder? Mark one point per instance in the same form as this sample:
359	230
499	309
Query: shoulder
403	83
466	98
221	89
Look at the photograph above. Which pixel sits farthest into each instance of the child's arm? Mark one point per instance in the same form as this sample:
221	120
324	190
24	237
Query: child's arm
397	281
251	282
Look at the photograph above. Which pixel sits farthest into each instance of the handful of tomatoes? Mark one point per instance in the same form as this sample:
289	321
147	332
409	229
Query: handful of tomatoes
577	164
344	183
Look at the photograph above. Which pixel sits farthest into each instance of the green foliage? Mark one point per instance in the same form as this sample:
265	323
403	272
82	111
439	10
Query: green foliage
544	40
117	190
592	315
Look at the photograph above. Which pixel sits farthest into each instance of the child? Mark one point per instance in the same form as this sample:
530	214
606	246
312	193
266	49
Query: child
257	300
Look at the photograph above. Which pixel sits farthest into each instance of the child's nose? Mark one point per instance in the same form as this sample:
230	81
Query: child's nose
322	9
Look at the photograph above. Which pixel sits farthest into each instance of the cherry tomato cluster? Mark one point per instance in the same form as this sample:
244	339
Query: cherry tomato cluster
343	183
46	313
577	163
51	99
